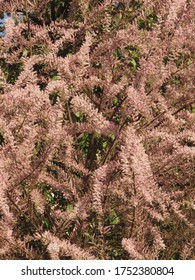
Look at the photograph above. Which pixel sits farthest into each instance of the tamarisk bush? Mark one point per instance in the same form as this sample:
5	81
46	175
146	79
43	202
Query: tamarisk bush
96	129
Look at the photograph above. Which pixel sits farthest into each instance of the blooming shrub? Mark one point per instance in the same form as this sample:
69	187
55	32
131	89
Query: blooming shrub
96	129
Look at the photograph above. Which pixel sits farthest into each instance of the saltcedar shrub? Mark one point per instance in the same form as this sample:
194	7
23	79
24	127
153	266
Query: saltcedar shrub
96	130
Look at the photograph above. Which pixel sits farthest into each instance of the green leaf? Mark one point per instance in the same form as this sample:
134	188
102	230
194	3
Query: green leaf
133	62
78	114
46	224
69	207
49	196
37	147
118	54
104	144
112	136
116	101
25	52
113	218
54	78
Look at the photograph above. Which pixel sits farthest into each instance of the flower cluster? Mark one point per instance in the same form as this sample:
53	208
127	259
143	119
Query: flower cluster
96	129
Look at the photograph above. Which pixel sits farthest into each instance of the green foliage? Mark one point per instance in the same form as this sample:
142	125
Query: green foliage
65	50
39	147
169	57
134	56
54	198
1	137
69	207
118	54
98	91
113	219
83	142
54	97
11	71
148	22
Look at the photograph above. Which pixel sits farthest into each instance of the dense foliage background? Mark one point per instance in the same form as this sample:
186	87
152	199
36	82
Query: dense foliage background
96	129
